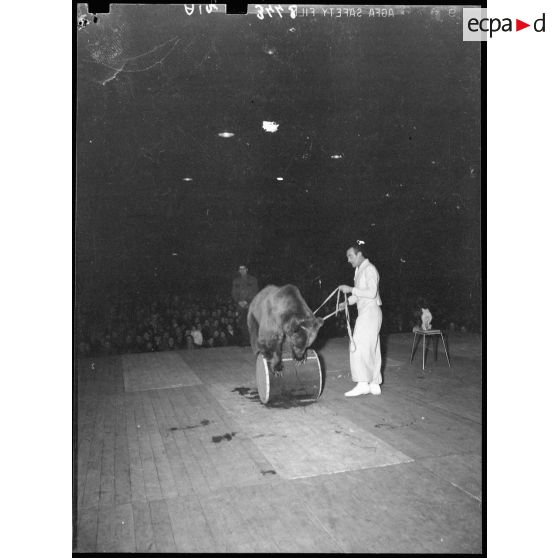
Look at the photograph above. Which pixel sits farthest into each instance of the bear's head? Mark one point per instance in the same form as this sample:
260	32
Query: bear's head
301	333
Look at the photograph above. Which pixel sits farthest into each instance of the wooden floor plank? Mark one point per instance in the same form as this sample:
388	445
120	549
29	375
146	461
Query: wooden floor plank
252	505
195	415
122	481
86	418
137	483
91	489
162	528
143	528
83	451
164	472
187	444
106	540
245	463
242	532
307	529
238	456
166	419
290	533
463	471
149	469
107	494
199	522
87	530
124	528
269	521
221	443
183	532
226	528
334	507
194	467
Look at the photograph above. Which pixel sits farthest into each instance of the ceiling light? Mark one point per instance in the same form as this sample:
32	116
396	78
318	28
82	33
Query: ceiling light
280	178
336	156
269	126
226	134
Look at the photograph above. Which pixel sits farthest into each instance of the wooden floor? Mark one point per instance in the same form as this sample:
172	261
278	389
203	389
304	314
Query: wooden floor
175	454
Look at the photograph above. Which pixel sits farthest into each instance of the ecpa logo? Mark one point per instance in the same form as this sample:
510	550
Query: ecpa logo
478	27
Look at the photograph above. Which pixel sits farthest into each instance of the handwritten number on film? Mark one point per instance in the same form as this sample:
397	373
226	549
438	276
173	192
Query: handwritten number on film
189	8
270	9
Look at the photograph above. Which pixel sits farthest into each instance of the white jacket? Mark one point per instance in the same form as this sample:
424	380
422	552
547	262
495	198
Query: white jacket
366	290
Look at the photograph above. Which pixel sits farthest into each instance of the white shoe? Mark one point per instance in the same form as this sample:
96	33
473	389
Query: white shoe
362	388
375	389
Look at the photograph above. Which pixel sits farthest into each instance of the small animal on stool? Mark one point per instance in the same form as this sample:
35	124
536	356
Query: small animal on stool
277	314
426	318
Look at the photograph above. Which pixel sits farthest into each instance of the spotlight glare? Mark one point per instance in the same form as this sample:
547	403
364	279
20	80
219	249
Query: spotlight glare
336	156
270	126
226	134
280	178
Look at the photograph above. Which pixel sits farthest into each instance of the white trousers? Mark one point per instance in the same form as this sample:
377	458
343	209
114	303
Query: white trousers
366	360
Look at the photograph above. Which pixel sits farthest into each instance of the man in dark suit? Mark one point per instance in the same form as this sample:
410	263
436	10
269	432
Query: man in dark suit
244	289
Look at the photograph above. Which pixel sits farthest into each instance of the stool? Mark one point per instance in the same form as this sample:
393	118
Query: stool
427	333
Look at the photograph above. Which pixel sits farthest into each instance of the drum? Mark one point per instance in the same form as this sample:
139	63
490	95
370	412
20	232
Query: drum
296	382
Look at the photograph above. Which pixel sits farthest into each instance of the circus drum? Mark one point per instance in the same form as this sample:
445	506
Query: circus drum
296	382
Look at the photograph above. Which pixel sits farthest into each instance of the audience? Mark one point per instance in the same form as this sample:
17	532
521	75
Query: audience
176	323
171	324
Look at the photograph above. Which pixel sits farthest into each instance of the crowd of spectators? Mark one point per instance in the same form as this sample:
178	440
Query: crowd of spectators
186	323
163	325
174	323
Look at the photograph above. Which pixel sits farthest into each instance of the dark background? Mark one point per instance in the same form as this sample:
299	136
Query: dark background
398	98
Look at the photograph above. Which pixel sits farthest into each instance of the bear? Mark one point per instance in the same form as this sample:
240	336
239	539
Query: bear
277	314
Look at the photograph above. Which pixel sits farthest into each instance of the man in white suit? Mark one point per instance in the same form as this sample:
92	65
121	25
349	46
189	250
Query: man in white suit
365	355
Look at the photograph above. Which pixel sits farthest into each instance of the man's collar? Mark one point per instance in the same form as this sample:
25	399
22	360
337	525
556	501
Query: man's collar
364	263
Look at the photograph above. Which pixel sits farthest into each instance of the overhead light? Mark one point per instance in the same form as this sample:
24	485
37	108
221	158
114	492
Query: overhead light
280	178
187	179
226	134
269	126
335	156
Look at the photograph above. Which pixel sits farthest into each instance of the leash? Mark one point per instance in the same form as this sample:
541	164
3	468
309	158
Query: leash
352	347
332	293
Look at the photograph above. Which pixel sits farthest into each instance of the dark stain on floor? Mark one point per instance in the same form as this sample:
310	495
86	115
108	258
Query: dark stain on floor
283	402
391	426
268	472
228	436
204	422
287	403
249	393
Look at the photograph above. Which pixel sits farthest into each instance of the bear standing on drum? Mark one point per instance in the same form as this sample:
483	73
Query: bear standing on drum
279	313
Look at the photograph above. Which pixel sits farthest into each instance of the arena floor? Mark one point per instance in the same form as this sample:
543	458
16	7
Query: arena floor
177	454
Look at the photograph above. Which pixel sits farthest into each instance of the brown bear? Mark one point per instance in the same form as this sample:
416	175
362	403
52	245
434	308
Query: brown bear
277	314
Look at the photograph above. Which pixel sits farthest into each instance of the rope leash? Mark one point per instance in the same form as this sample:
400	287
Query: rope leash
331	294
352	347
